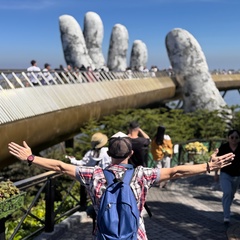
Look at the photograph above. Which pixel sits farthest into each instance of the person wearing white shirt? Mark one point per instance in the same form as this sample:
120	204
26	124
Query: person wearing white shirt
97	155
47	75
34	73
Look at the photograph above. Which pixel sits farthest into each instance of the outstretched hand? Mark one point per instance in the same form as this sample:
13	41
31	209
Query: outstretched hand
217	162
21	152
71	158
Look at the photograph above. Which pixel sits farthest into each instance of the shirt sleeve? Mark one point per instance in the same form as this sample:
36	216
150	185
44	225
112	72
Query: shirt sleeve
146	141
77	162
86	157
84	174
106	160
151	175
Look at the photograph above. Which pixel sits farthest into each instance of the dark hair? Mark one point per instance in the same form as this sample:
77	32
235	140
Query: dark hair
119	147
133	124
33	62
82	68
232	131
46	65
160	135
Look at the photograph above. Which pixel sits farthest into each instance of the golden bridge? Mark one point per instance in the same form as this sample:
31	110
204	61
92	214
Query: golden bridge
49	113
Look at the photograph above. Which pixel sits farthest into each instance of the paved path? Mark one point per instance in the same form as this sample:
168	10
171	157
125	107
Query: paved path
187	210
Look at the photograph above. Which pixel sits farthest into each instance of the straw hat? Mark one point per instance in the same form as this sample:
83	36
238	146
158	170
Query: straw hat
98	140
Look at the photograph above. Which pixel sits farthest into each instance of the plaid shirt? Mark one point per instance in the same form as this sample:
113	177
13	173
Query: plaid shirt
95	183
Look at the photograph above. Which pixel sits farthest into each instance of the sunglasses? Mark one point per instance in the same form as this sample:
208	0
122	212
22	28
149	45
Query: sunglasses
234	137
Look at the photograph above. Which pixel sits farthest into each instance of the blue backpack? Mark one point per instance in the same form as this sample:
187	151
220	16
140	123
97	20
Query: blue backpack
118	216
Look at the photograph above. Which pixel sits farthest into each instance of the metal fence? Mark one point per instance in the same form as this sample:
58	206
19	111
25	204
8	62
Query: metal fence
182	156
11	79
45	186
20	98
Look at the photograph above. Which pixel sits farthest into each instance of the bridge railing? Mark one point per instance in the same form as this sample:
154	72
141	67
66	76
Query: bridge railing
181	156
45	186
11	79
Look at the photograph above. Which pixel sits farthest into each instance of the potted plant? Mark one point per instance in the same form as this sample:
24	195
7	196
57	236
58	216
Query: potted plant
11	198
196	148
197	152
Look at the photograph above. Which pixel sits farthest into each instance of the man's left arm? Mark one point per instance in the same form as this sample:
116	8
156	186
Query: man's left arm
216	162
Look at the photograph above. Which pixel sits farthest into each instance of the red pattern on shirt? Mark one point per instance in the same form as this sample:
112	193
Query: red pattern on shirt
95	183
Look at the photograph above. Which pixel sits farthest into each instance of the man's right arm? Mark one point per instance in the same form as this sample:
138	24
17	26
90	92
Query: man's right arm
55	165
143	134
23	152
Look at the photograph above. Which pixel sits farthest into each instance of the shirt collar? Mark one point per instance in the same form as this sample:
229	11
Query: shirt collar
129	166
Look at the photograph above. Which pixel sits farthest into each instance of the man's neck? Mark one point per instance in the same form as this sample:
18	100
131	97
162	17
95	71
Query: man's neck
120	161
133	134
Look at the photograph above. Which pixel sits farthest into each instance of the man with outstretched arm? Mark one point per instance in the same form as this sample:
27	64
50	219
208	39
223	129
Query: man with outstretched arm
120	150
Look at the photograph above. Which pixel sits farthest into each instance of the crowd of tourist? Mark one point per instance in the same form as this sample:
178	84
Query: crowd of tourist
83	73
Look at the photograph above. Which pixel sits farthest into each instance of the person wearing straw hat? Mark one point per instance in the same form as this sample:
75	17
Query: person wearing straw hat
97	155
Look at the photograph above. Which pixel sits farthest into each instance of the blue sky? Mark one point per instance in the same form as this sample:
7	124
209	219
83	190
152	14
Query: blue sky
30	29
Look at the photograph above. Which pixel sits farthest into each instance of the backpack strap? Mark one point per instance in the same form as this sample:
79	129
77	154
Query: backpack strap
127	178
110	177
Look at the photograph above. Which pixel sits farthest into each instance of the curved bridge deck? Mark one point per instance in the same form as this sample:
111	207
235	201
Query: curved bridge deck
48	114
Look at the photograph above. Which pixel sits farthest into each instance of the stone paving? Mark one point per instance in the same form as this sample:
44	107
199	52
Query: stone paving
188	209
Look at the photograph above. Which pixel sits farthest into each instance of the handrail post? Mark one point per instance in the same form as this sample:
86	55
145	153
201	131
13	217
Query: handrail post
2	229
180	154
69	143
50	196
210	146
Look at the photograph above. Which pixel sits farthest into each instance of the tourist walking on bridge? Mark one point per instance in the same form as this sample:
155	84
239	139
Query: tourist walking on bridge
120	150
47	76
33	74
